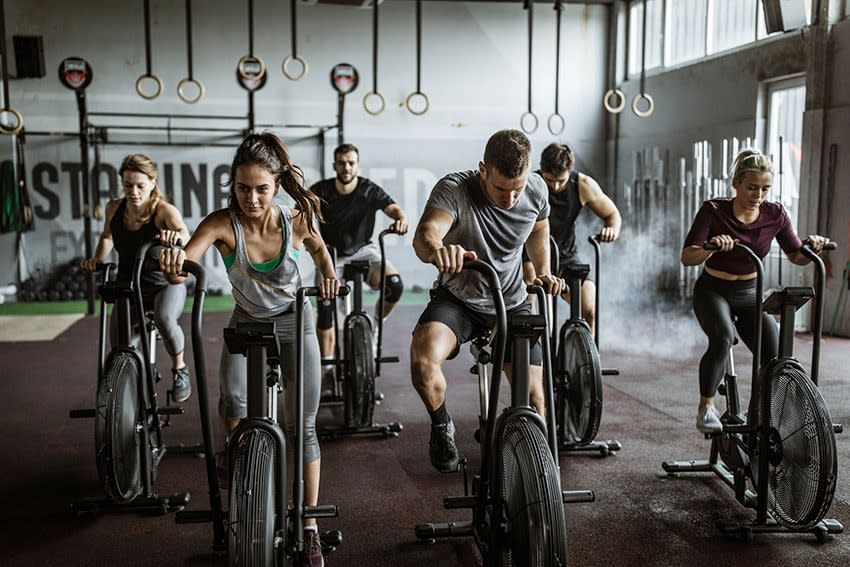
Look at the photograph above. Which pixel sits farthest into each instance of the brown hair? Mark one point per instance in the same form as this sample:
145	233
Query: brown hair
268	151
508	151
344	149
557	159
750	160
140	163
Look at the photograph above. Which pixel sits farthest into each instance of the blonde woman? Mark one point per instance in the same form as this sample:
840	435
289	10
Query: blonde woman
140	216
727	285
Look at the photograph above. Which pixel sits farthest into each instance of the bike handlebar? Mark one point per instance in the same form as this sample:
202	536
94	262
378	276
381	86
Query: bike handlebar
315	291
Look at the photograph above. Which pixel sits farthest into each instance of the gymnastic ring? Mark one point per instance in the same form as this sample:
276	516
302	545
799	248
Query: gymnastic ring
380	97
649	101
142	94
522	122
188	81
606	101
240	67
549	124
285	67
19	125
411	97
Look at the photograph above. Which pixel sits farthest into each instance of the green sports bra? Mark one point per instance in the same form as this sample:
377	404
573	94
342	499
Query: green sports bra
259	266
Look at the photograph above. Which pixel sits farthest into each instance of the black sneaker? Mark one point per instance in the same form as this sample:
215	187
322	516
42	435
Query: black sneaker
181	388
442	448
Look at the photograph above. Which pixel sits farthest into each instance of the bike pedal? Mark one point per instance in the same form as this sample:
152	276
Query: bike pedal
330	540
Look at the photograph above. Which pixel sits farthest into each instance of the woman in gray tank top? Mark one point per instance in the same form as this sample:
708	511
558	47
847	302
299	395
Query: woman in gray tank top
258	241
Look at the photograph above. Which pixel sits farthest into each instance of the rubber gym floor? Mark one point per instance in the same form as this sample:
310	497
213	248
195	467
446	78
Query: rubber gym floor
384	487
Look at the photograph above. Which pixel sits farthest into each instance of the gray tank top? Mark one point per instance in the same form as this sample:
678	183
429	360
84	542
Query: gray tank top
264	294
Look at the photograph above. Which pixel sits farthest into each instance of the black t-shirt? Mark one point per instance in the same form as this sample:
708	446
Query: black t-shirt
350	219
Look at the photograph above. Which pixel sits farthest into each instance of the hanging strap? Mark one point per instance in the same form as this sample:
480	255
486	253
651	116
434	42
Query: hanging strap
148	72
7	109
642	95
189	80
556	122
528	115
250	67
418	94
294	55
374	92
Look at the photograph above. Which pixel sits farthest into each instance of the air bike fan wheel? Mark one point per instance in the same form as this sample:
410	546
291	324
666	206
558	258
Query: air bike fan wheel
530	506
360	379
802	456
579	386
116	435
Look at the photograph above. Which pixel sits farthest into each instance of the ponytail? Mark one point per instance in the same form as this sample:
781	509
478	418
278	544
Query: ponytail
268	151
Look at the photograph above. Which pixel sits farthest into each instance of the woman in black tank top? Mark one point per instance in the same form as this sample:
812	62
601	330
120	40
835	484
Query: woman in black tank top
140	216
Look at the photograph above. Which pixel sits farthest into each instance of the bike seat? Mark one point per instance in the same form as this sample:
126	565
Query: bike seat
576	270
252	332
796	296
351	269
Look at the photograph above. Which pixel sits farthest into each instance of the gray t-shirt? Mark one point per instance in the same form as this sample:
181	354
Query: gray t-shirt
497	235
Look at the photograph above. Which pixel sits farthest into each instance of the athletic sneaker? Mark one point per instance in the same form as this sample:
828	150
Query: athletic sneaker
181	389
442	448
707	420
313	548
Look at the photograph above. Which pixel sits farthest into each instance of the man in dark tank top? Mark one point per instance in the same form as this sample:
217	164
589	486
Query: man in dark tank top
569	192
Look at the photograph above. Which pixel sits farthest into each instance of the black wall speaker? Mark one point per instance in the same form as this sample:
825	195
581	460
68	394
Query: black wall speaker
29	56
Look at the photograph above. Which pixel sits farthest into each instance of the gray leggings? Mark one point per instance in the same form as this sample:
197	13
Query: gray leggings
167	306
233	403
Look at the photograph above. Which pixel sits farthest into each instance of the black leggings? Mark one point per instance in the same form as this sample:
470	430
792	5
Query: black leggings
715	301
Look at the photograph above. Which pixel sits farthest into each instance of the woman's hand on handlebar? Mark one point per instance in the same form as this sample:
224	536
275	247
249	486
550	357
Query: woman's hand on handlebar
816	242
170	238
171	261
724	242
328	288
449	259
552	284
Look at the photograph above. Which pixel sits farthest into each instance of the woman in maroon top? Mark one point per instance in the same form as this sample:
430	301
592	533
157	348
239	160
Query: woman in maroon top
726	286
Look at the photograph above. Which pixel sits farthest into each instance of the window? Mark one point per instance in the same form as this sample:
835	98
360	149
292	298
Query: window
678	31
686	25
731	23
654	29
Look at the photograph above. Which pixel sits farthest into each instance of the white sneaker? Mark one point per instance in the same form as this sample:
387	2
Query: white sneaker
708	421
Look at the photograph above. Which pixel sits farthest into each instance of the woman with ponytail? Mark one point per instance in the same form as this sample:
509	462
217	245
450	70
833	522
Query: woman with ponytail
140	216
259	241
727	285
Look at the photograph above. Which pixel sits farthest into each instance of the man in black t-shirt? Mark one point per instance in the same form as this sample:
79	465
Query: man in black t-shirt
349	204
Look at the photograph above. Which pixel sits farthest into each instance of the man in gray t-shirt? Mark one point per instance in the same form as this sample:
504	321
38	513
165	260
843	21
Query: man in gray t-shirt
487	214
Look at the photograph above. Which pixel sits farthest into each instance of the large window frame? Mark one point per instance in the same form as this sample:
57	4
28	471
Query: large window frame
663	37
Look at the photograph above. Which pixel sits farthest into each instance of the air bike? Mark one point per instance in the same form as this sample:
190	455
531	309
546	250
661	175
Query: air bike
516	500
780	456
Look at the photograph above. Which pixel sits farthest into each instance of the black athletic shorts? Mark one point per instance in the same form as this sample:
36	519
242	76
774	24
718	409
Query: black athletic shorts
468	324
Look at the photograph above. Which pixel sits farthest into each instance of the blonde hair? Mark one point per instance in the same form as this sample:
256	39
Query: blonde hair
140	163
750	160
